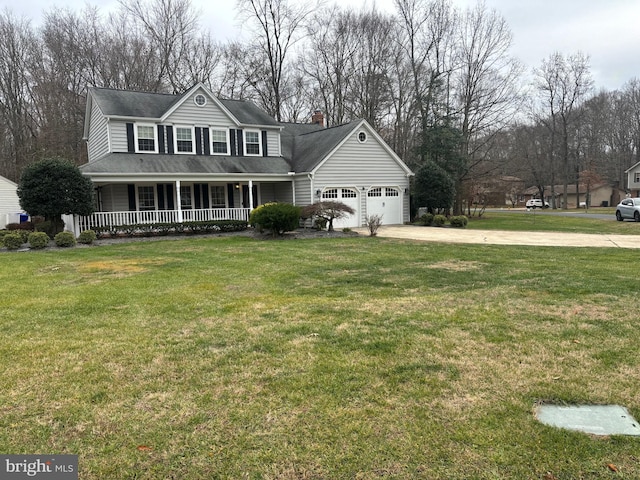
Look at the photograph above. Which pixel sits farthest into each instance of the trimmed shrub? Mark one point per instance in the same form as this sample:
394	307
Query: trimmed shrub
13	241
87	237
38	240
459	221
24	234
276	217
148	229
231	225
20	226
426	219
439	220
65	239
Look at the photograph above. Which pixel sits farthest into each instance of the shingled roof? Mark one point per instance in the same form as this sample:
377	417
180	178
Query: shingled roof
130	163
309	148
124	103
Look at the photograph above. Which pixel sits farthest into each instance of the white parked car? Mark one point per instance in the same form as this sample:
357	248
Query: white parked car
628	208
537	203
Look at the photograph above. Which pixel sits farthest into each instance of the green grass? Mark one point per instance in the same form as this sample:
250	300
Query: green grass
522	220
354	358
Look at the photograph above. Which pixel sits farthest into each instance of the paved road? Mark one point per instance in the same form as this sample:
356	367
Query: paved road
499	237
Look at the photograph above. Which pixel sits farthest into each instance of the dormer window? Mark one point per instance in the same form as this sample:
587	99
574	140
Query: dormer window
252	145
145	138
184	140
219	141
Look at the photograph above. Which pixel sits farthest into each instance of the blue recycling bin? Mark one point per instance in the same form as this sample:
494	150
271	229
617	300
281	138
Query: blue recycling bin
24	217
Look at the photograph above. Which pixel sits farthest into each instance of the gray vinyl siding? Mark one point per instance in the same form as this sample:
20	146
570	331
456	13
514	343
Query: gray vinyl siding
115	198
188	113
118	132
359	165
275	192
9	202
283	192
303	191
98	142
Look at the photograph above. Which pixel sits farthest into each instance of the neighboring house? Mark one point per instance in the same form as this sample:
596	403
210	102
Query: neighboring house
164	158
497	191
599	195
633	180
9	202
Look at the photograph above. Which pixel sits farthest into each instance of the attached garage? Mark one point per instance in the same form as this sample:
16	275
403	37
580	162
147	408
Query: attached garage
387	203
348	196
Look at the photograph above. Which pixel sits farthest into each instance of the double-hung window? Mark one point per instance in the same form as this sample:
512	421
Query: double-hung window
184	140
636	177
185	197
146	140
218	196
252	145
146	198
219	141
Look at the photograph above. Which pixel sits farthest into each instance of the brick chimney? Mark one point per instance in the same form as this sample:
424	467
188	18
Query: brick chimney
317	118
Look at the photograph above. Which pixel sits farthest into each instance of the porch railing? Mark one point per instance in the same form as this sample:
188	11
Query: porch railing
108	219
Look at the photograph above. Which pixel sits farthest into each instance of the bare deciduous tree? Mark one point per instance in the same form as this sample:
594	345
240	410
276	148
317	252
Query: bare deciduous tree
18	45
277	25
563	84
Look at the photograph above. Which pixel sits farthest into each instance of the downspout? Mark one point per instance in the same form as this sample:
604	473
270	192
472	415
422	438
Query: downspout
178	201
311	188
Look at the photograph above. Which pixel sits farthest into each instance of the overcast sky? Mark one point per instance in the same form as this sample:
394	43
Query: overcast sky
606	30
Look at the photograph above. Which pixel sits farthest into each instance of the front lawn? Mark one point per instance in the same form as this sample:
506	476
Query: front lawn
354	358
534	221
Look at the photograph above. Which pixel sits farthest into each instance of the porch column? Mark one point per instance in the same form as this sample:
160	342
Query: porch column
250	195
178	201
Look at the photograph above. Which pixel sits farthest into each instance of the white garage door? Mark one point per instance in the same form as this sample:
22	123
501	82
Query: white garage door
386	202
348	196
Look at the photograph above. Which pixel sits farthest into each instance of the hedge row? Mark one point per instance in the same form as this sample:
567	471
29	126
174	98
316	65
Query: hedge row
14	239
431	220
149	229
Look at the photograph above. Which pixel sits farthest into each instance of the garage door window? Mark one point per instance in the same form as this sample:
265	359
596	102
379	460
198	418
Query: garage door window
392	192
349	193
330	193
375	192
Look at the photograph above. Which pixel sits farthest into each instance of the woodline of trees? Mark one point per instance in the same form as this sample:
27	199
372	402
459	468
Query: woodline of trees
437	82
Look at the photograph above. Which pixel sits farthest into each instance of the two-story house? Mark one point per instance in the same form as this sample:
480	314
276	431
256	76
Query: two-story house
633	180
163	158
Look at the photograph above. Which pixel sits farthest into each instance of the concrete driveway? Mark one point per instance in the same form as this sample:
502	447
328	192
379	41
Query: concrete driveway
498	237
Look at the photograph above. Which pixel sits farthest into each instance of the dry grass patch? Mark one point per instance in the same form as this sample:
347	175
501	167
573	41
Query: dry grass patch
117	266
456	265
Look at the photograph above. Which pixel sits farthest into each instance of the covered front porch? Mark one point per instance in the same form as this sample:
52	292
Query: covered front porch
101	220
178	201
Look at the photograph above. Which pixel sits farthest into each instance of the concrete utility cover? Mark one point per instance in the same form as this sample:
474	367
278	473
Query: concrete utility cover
594	419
